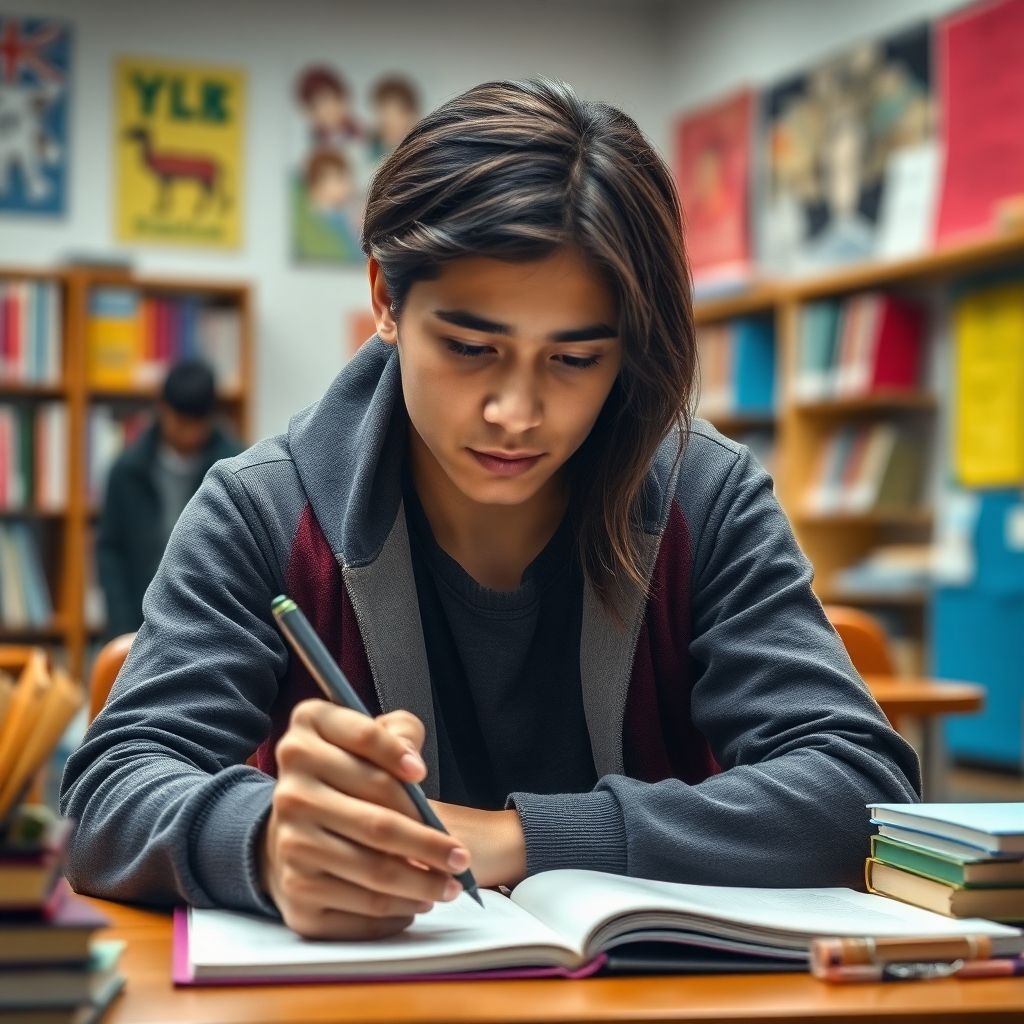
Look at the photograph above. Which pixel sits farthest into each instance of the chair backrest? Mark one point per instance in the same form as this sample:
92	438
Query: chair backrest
864	639
104	671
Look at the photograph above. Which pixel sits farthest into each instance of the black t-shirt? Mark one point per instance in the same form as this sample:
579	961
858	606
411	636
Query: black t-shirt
505	672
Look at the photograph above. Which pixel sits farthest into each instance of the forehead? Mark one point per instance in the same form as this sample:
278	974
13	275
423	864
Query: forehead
564	287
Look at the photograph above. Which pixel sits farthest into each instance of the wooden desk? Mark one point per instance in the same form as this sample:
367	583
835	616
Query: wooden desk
927	700
149	996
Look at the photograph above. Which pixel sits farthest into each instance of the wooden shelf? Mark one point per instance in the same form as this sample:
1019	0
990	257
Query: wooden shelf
69	583
56	629
11	389
860	405
150	393
896	599
760	299
892	517
32	513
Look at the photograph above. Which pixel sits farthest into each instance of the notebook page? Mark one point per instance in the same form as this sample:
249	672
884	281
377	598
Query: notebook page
576	904
456	935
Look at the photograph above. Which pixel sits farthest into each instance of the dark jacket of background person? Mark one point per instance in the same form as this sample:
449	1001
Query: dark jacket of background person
131	539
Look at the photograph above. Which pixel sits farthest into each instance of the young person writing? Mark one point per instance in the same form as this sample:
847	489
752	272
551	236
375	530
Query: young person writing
581	614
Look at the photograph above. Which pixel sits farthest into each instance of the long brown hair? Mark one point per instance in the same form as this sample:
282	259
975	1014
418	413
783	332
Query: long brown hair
514	171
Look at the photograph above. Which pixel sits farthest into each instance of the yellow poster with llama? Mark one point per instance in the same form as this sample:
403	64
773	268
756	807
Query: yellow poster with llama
178	152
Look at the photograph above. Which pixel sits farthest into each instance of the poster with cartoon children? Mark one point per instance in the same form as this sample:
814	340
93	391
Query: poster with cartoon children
35	65
336	151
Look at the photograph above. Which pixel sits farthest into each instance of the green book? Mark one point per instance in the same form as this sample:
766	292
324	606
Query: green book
979	874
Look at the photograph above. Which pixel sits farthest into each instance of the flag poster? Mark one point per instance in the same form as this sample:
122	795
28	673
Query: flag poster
35	62
178	152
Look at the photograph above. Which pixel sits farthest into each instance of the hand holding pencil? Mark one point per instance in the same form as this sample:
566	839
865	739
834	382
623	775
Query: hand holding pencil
345	852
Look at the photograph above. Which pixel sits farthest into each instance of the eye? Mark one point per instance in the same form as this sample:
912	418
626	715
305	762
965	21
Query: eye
579	362
462	349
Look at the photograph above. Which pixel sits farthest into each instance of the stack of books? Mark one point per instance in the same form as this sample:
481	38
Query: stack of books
961	860
52	969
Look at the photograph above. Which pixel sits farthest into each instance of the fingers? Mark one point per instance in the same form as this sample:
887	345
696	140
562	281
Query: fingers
384	744
406	726
382	830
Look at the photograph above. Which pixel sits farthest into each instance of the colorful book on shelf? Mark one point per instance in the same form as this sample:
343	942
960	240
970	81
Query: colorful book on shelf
995	904
965	872
557	923
113	336
753	365
819	329
996	827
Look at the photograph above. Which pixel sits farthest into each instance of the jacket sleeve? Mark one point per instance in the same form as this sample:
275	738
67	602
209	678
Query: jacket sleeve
111	556
802	743
166	810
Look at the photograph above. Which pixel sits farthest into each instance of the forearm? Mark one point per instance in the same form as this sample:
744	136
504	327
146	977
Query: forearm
494	839
795	820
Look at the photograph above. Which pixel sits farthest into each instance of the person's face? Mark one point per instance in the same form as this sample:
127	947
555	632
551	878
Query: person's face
185	434
328	109
394	119
332	189
496	402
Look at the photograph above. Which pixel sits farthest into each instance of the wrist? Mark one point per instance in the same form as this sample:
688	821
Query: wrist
513	845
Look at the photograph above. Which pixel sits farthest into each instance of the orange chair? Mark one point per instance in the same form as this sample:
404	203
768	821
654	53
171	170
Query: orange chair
863	638
105	669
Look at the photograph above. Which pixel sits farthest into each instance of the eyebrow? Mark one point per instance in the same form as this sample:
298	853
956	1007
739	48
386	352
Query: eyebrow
472	322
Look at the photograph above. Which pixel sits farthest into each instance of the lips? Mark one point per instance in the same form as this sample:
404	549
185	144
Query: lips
506	464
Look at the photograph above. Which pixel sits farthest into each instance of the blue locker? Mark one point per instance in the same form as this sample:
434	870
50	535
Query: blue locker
978	636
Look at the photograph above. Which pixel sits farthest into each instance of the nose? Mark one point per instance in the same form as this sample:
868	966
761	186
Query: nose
515	404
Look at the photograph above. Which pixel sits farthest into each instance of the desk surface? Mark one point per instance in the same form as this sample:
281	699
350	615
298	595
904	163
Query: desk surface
924	696
149	996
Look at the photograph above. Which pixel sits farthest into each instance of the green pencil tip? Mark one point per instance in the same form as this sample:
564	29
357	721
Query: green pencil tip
282	603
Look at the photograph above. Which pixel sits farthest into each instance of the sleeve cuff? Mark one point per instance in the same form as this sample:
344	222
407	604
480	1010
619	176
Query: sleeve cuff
571	830
224	845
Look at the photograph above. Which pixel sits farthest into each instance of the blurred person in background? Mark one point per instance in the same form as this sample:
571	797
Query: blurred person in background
150	484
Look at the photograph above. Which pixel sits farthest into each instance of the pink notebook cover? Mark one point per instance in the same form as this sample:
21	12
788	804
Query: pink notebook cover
182	974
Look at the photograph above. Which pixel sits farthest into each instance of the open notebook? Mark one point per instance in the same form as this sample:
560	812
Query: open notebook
561	923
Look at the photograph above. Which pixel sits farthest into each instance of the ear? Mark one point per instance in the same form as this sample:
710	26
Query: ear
387	327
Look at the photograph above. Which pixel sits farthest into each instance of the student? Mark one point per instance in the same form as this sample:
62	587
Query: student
583	616
149	485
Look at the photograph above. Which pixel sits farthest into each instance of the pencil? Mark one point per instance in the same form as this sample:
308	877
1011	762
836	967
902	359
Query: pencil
329	676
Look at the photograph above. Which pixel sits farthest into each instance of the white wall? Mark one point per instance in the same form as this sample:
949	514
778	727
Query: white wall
651	57
607	50
717	46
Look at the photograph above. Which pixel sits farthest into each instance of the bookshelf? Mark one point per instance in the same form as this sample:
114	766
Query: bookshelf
63	534
802	425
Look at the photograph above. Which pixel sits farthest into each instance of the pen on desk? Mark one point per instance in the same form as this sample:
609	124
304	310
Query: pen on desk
328	675
853	950
997	968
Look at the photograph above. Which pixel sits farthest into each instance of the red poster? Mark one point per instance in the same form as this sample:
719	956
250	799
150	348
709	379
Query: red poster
981	66
712	163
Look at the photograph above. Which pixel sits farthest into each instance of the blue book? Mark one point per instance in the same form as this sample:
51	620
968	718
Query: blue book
998	827
818	338
753	365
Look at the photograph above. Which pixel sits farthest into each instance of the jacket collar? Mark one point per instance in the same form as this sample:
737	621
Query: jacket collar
348	450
